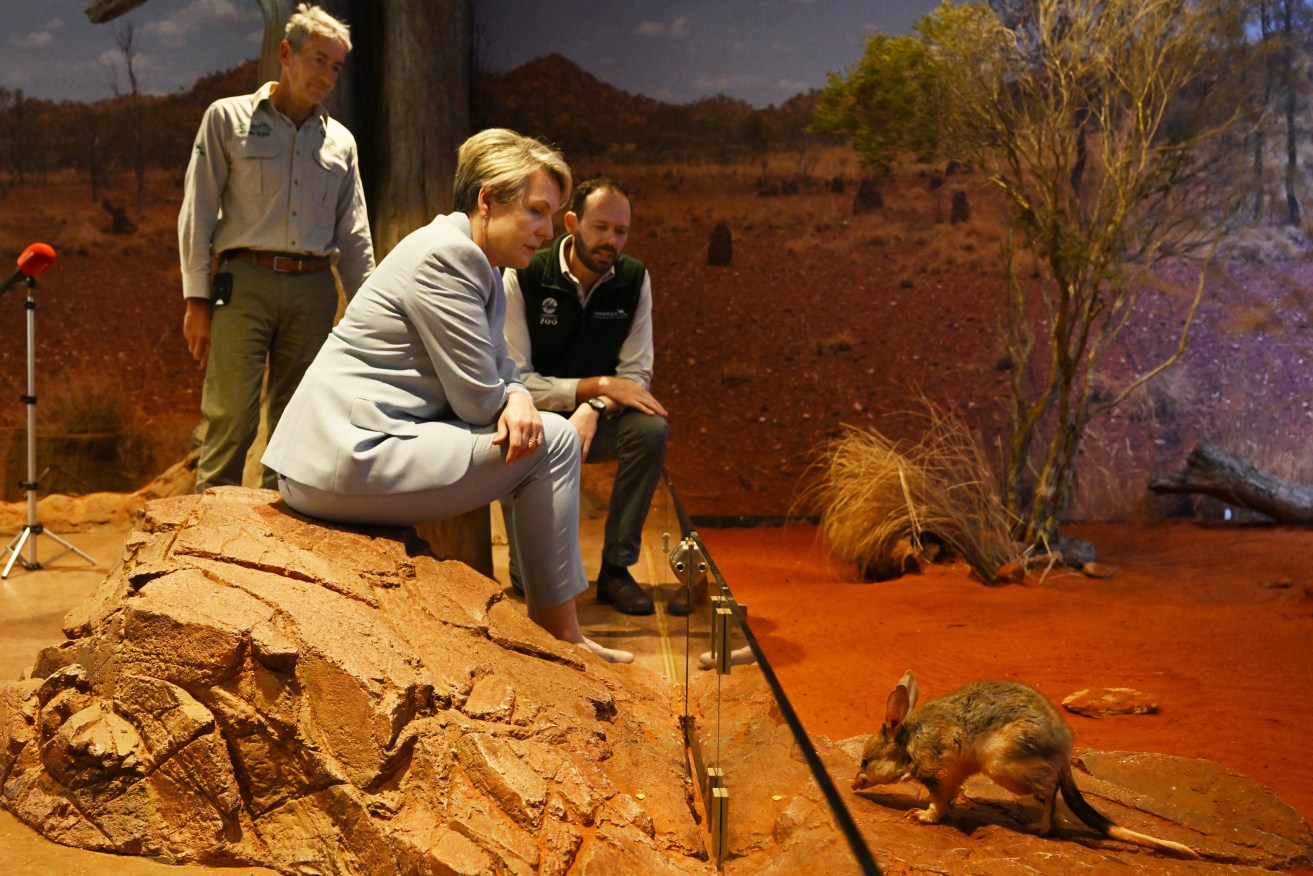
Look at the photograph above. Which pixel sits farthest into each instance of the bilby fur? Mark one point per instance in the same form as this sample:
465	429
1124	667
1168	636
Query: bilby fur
1004	729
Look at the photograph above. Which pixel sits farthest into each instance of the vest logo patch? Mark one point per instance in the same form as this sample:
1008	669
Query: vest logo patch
548	314
618	313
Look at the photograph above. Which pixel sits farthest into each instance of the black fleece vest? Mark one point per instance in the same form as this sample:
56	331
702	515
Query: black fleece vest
568	340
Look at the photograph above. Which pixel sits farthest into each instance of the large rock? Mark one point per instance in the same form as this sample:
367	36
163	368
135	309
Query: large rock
251	687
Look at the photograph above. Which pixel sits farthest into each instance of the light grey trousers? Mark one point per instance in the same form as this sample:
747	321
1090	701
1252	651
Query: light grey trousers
638	441
542	491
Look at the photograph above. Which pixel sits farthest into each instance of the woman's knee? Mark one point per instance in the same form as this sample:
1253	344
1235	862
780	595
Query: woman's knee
560	439
558	433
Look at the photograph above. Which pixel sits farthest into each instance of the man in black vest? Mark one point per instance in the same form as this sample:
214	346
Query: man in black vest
579	324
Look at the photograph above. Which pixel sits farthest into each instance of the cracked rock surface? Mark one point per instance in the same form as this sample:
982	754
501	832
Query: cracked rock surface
252	687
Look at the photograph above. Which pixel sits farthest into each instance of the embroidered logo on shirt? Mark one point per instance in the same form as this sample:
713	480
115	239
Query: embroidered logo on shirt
618	313
548	315
261	129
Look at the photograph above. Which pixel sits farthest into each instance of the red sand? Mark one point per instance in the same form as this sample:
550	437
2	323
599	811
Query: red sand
1215	622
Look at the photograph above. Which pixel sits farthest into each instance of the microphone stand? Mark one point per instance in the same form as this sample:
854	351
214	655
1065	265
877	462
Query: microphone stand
34	529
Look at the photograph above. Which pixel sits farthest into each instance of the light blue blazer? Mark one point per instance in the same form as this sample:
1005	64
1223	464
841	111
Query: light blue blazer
416	367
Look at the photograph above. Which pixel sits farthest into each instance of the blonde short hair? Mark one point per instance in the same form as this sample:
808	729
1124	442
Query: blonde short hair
309	20
501	161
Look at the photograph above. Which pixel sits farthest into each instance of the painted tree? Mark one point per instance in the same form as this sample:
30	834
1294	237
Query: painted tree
1104	124
130	94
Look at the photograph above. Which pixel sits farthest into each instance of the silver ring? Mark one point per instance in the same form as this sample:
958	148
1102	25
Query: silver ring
533	440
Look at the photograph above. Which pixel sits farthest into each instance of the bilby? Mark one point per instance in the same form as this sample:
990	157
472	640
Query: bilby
1004	729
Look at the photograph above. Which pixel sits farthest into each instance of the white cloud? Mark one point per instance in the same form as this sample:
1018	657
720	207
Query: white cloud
38	39
677	29
195	17
727	83
35	40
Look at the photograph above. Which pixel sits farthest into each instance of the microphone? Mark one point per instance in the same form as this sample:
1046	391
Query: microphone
35	259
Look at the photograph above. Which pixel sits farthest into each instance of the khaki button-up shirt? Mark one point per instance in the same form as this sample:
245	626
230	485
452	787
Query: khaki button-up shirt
257	181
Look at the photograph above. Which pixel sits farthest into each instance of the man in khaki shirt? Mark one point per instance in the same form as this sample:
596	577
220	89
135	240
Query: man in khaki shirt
273	200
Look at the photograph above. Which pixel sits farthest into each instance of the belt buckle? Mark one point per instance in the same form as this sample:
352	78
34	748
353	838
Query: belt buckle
286	265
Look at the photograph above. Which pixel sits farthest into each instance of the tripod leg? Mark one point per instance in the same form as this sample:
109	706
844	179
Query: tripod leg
67	547
15	547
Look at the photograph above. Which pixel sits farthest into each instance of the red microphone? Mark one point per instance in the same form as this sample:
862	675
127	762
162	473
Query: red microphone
35	259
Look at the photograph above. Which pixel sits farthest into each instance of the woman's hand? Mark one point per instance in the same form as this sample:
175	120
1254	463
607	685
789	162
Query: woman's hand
520	427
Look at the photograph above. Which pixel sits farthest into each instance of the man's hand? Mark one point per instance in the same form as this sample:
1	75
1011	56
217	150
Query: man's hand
584	420
196	328
520	427
628	394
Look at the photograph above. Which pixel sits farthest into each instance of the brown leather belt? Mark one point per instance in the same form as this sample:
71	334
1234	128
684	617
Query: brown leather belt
286	262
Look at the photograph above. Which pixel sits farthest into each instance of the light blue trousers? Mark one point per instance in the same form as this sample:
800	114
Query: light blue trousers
639	441
542	490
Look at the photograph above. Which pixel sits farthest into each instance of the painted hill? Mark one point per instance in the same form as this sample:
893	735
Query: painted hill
554	98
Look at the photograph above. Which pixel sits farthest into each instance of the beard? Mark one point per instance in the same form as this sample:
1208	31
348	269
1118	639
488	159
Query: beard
592	259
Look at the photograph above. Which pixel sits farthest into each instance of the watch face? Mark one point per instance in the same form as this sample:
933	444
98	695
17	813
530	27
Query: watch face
598	404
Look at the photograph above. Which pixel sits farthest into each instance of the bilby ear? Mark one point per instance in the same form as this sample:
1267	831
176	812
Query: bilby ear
896	708
909	681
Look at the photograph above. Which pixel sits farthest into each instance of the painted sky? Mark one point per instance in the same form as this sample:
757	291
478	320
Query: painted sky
761	51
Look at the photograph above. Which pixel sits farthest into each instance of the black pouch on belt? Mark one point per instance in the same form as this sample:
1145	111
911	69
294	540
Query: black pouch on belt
221	289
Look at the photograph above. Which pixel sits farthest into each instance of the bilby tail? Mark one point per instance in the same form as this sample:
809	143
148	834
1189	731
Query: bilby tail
1105	826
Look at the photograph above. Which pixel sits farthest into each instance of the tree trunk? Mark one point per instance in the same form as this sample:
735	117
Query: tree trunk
423	106
1259	182
1211	471
467	538
1292	151
276	13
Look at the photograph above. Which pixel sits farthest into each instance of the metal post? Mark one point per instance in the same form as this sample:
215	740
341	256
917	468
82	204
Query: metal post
34	529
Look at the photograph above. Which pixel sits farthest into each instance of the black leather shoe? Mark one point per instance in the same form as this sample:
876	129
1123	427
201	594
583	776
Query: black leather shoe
680	605
616	586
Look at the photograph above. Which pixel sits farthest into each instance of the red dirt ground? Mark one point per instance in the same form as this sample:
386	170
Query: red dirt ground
1213	621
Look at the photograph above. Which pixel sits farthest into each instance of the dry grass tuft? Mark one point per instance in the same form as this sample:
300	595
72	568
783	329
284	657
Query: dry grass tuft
89	402
874	493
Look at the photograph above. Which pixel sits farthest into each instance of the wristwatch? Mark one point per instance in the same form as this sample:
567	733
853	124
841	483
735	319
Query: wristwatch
598	405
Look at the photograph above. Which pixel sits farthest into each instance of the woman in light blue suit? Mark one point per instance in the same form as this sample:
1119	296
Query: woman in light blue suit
413	411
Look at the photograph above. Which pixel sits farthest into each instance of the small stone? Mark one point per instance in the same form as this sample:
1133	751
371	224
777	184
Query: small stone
1110	701
1011	573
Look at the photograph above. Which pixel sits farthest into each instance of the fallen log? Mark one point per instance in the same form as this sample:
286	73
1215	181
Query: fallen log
1211	471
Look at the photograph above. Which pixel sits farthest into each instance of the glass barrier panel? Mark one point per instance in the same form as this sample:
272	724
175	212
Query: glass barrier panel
762	786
